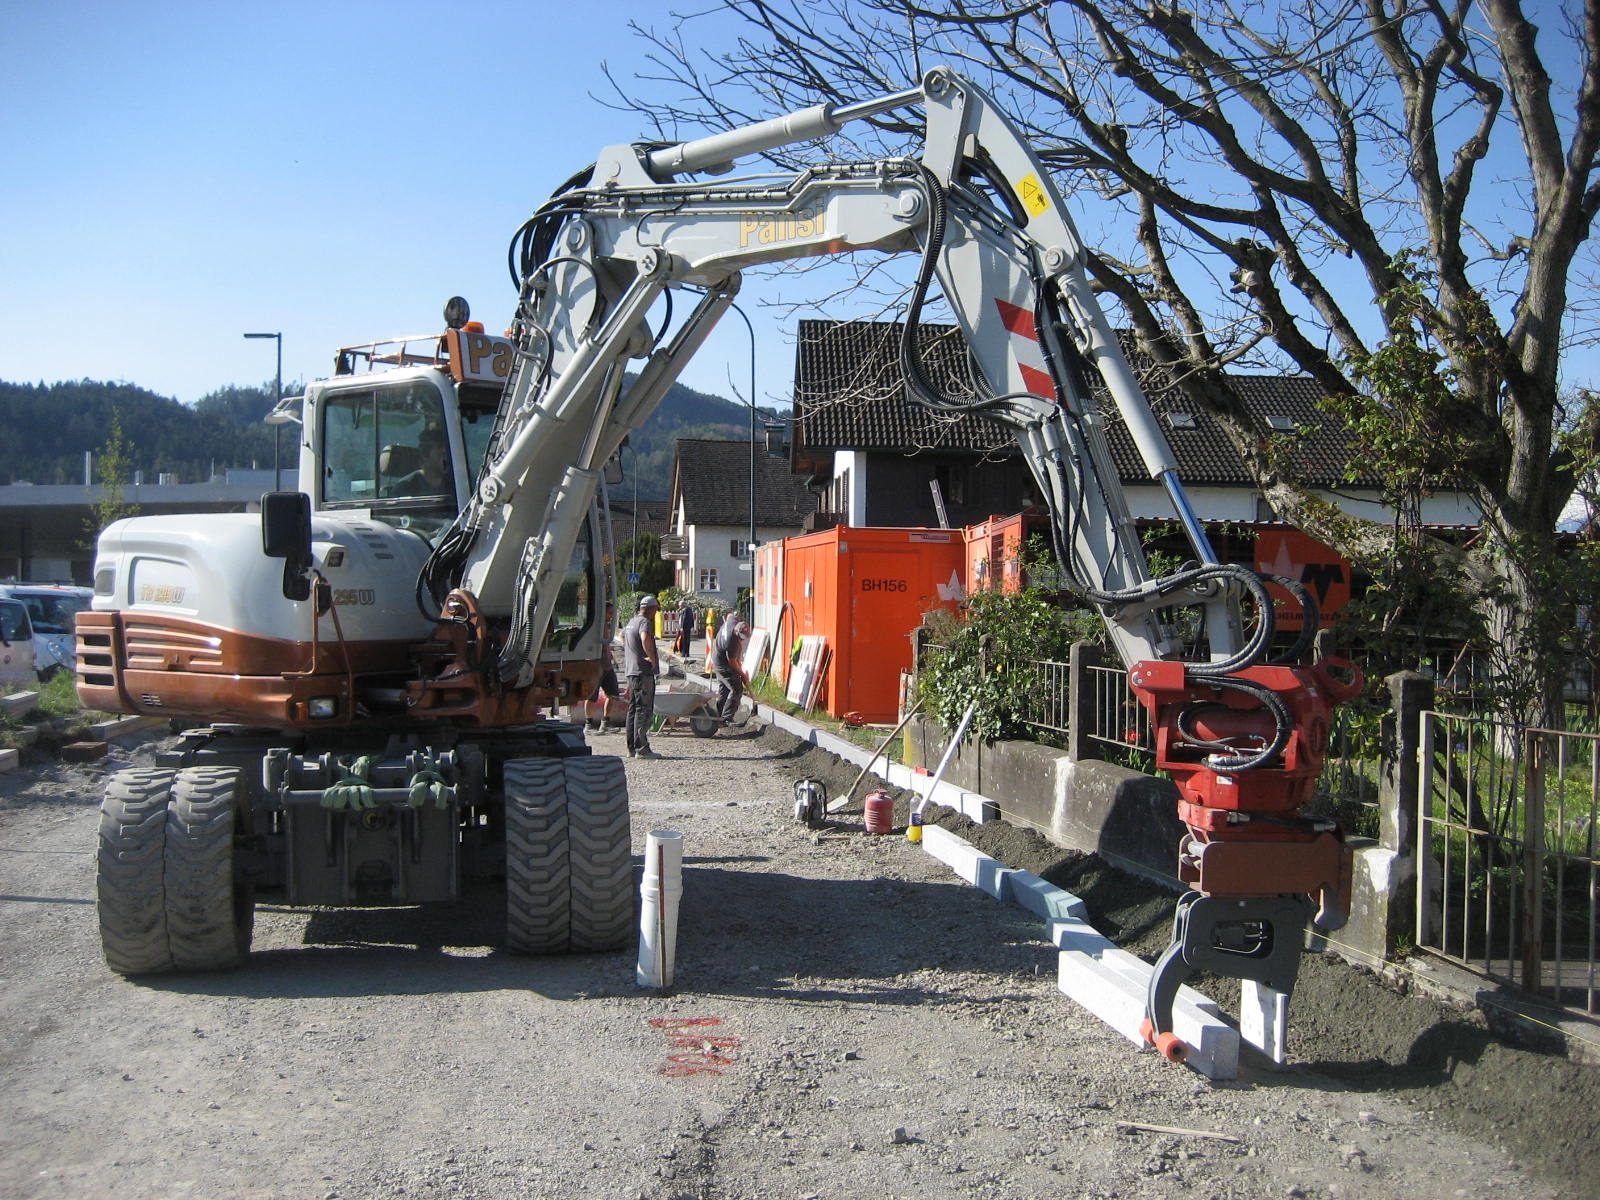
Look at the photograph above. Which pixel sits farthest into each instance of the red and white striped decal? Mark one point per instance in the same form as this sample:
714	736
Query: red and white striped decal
1030	355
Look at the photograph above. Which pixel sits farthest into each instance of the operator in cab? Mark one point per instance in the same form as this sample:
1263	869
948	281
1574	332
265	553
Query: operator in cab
432	476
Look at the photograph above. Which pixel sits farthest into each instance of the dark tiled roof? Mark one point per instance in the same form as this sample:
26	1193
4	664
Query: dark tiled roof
849	394
712	478
655	516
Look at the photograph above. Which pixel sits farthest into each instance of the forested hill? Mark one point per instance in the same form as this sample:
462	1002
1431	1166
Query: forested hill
47	427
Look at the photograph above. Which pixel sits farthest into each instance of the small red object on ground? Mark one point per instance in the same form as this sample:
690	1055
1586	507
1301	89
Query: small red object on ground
880	812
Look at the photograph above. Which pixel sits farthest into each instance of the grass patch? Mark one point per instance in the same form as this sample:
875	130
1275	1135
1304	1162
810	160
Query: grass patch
59	695
57	703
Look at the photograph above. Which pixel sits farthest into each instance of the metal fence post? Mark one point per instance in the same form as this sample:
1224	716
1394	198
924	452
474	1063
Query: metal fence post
1080	705
1400	775
1425	933
1533	864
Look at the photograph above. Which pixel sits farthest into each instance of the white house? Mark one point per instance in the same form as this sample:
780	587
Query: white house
712	497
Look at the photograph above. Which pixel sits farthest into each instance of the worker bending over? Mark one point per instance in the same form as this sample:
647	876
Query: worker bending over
726	656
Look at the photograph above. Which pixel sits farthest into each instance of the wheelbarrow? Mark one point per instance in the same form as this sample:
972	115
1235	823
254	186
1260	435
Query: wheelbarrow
695	709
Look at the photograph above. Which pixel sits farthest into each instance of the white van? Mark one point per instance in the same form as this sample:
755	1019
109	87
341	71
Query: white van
52	608
17	667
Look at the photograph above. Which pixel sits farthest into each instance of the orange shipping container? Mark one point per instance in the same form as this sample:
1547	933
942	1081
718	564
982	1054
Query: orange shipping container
865	590
995	549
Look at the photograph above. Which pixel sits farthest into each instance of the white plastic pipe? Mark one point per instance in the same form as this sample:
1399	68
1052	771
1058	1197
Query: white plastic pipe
659	893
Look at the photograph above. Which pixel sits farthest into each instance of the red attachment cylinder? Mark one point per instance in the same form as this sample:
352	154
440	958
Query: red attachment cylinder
880	812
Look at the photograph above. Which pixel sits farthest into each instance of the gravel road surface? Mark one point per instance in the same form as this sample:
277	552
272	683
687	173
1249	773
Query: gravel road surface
848	1020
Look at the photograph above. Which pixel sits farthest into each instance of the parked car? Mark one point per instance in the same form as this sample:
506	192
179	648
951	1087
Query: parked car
52	609
17	667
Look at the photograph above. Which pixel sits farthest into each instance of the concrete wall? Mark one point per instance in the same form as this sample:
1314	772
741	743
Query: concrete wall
1129	818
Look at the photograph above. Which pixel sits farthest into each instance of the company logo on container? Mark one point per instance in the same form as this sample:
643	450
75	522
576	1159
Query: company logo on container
1025	343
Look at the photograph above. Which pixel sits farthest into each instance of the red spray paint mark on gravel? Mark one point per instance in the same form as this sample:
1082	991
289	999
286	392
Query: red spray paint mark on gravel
695	1050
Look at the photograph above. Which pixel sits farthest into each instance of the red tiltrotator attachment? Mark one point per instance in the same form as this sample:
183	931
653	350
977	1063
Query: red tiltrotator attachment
1256	866
1246	835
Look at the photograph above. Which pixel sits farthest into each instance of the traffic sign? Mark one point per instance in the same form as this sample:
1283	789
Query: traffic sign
633	579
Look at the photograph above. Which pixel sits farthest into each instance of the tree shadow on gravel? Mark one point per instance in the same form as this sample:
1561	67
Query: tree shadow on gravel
740	933
836	940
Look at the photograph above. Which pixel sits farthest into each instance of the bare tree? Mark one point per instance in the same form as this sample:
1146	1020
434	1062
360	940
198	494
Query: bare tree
1395	198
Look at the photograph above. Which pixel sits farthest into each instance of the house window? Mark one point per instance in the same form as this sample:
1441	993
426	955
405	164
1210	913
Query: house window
710	580
739	549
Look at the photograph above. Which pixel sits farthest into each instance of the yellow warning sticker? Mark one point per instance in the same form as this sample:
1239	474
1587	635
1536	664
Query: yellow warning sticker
1031	192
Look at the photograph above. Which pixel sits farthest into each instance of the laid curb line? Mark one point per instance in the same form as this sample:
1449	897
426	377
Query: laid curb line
1092	970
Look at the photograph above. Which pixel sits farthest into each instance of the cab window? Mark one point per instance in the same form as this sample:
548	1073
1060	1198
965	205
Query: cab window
387	443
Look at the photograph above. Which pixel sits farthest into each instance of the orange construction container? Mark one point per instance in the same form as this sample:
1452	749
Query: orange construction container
865	590
994	550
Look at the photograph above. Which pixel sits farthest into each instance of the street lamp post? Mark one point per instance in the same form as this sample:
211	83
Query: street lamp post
750	548
277	394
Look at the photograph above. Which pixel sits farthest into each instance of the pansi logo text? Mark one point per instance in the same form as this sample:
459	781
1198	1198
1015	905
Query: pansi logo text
884	585
788	227
484	352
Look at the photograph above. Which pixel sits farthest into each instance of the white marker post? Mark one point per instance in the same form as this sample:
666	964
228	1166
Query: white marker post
659	893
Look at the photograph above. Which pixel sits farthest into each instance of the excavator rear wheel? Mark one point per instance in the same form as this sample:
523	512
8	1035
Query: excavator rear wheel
210	917
130	874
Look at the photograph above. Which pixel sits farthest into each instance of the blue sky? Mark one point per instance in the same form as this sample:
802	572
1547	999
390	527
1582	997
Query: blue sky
177	174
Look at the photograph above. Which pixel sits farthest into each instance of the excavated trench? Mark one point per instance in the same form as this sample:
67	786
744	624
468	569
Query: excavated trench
1347	1025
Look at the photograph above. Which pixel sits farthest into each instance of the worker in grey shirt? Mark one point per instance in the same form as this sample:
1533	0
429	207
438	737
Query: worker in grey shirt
640	666
727	661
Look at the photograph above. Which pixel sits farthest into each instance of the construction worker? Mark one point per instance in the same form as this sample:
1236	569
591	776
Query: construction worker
640	665
726	658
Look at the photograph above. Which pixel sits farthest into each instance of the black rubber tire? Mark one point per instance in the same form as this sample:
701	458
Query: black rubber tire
210	921
704	724
601	859
538	871
130	872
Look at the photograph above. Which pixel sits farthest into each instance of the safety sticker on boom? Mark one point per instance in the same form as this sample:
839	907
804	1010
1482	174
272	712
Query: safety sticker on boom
1032	194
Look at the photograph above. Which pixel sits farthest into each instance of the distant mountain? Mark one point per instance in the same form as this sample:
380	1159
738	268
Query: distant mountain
49	426
684	413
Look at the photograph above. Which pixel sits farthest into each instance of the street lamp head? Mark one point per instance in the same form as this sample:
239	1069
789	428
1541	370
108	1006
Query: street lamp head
263	335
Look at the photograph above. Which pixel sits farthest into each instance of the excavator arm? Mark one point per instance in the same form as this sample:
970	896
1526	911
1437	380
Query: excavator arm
1243	737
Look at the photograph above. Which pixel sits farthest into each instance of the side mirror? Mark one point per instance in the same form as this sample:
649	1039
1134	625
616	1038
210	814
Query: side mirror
286	534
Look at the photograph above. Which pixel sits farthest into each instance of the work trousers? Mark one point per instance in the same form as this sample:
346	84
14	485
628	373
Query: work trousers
730	689
641	711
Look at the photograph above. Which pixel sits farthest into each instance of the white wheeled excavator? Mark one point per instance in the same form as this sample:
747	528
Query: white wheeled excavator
377	706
